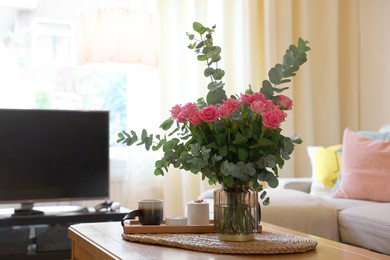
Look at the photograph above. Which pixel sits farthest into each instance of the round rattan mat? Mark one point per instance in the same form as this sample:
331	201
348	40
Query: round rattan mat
264	243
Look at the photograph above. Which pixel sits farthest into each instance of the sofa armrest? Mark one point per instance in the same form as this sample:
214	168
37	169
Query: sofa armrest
301	184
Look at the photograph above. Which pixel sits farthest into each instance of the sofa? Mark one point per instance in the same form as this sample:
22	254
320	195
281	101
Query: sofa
347	198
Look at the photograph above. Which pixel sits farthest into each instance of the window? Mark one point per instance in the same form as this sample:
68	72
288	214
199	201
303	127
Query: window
39	71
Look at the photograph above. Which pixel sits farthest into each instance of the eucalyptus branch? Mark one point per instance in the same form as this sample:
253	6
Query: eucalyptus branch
208	52
294	57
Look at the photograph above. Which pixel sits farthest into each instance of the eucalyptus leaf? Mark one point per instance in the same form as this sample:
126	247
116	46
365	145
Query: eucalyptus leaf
208	72
216	96
273	182
167	124
197	26
202	57
267	90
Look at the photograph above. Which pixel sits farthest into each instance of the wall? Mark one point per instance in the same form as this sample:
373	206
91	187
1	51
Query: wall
374	63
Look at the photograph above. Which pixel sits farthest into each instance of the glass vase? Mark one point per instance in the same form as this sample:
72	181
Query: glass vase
236	212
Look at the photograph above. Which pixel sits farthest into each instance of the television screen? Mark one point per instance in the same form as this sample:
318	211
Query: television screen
53	155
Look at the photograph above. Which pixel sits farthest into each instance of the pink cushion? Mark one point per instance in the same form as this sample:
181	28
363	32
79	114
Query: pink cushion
365	168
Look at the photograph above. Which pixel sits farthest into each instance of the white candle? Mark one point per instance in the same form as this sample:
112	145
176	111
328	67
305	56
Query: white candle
198	213
176	221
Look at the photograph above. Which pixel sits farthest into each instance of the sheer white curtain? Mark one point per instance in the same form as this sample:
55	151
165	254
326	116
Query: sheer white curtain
123	31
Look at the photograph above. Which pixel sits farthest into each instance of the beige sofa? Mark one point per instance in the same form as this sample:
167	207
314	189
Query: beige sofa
308	205
360	222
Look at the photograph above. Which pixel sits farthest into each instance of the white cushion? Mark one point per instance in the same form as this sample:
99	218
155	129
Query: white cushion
367	226
385	129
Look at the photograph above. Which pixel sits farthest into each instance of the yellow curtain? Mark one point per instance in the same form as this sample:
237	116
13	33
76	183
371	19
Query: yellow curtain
344	82
326	90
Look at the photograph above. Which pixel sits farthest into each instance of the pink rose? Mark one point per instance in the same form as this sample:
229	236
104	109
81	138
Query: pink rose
284	102
194	118
209	113
176	109
184	112
258	96
249	98
246	99
273	118
261	107
229	107
189	108
181	117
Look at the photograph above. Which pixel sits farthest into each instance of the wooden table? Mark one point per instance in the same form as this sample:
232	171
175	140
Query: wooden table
104	241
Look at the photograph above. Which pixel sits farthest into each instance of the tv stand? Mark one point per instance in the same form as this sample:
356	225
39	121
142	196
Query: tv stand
17	229
26	208
27	212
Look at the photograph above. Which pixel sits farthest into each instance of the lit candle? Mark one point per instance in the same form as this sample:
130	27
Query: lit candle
198	213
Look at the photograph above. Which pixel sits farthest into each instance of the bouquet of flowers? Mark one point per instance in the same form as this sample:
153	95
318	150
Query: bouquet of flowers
228	140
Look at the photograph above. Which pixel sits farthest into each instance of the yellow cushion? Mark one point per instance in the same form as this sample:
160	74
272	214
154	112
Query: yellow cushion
327	164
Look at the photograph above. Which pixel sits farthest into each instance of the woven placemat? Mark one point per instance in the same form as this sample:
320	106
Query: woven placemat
264	243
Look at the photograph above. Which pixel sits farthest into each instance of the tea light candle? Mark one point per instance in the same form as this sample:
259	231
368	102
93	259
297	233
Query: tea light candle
198	213
176	221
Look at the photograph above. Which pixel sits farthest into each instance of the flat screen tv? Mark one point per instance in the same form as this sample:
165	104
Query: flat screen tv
53	155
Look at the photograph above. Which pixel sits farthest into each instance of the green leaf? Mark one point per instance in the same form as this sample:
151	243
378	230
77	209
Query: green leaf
208	72
158	172
242	154
148	142
239	139
218	74
202	57
275	75
288	59
296	139
200	45
267	89
208	42
144	134
278	90
302	45
228	181
131	140
215	58
191	46
213	51
223	150
197	27
167	124
216	96
272	181
159	164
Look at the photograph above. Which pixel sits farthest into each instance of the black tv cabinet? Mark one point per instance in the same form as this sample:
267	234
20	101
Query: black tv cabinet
13	230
